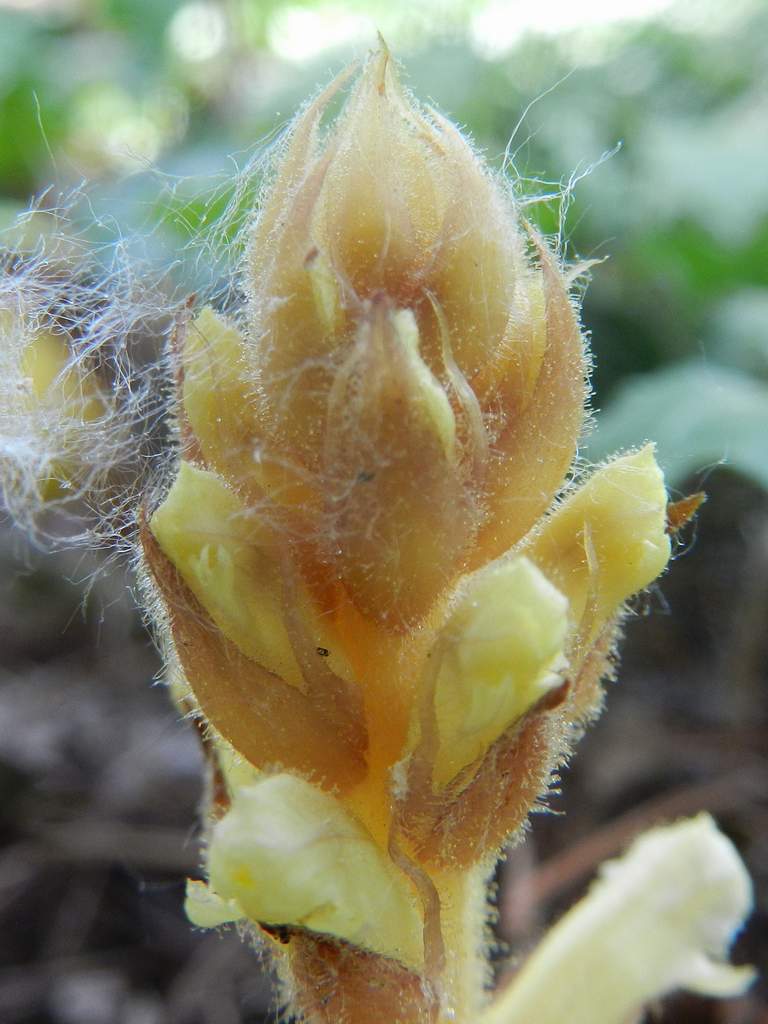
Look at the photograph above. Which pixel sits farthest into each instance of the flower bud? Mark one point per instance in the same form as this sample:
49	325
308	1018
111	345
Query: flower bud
405	349
607	541
401	498
604	543
222	551
288	854
248	637
500	653
214	394
365	596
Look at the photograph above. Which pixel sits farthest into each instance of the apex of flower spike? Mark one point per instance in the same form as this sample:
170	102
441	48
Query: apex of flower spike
413	348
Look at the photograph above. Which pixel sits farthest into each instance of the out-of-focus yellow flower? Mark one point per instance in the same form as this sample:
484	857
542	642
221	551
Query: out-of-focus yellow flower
51	403
661	918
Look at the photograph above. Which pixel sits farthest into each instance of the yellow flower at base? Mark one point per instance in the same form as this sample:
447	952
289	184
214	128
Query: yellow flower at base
288	854
223	552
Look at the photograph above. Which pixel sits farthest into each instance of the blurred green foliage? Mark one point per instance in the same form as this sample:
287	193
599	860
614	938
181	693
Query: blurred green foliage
151	98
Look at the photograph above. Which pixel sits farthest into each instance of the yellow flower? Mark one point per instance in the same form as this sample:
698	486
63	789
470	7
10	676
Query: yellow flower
49	412
660	918
288	854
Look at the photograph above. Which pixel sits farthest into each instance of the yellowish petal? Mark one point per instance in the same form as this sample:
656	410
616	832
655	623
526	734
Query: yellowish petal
55	401
215	392
501	651
221	550
206	909
290	854
659	919
607	541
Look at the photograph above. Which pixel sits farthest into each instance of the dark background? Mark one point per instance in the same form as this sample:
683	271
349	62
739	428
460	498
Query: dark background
99	780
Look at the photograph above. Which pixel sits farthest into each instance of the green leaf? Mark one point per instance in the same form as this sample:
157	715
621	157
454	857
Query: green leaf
699	415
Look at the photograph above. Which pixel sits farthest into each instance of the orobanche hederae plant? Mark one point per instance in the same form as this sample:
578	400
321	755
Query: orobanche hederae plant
382	598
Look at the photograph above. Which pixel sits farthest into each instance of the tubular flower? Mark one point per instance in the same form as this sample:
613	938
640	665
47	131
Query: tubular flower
661	917
390	619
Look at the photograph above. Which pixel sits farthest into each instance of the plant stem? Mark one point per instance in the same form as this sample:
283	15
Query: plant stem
464	924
